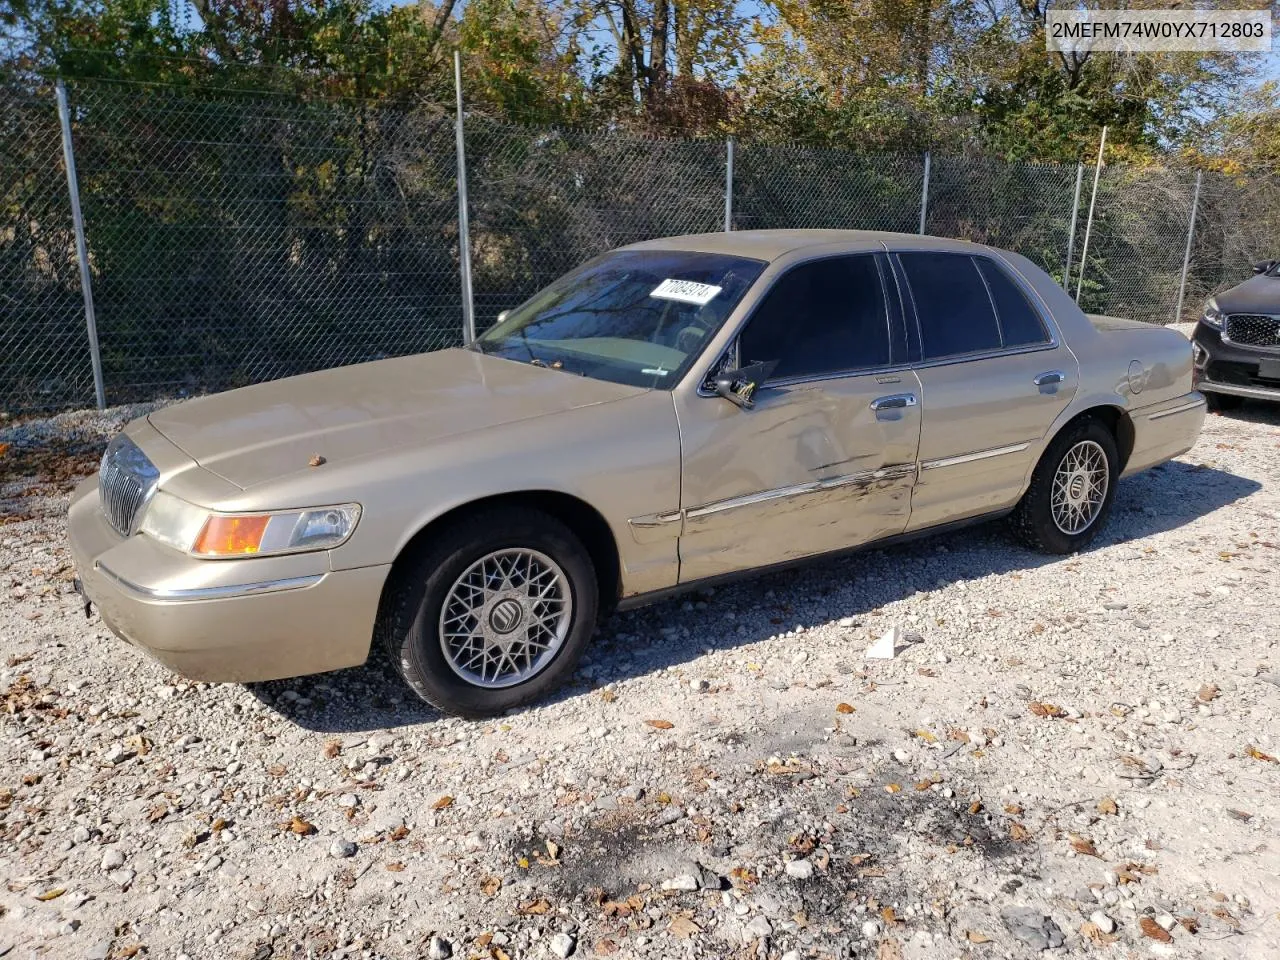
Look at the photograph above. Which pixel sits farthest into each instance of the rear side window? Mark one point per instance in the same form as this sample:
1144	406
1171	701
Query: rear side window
1020	325
955	311
820	318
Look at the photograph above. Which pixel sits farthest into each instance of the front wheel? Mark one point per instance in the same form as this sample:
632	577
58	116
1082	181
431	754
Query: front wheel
492	613
1071	491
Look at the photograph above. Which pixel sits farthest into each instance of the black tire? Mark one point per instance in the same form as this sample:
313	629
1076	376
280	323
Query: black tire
1033	521
409	621
1220	402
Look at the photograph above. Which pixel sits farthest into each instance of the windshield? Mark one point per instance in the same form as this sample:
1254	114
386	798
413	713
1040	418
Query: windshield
638	317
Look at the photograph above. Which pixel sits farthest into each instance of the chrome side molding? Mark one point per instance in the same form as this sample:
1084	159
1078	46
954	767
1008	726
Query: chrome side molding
976	455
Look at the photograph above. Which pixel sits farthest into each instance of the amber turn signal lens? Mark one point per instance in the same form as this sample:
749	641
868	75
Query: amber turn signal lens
230	536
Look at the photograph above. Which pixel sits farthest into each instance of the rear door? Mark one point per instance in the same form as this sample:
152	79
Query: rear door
826	458
994	375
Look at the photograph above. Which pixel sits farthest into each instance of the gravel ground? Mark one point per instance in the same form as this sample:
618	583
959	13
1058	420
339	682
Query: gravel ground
1066	754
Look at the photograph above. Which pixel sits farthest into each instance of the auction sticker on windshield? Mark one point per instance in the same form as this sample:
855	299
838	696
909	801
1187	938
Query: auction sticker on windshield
686	291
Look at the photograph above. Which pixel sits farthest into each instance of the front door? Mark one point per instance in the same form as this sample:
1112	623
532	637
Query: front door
826	458
993	379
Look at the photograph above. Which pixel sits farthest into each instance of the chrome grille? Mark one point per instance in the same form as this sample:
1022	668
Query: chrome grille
126	481
1254	329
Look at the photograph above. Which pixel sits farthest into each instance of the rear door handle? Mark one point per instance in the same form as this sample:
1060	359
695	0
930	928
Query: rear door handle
894	402
1049	378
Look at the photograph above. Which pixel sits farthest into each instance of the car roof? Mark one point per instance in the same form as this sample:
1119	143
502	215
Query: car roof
772	244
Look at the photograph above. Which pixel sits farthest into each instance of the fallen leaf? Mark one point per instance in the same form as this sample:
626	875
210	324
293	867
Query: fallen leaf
124	953
975	807
1084	845
683	926
53	894
844	708
301	827
1012	809
1257	754
1241	815
660	724
332	748
535	908
1046	709
1091	931
889	916
499	954
605	947
1153	930
1207	693
445	801
553	850
608	696
889	949
1108	806
316	461
396	867
976	936
277	770
926	736
1189	924
893	787
490	885
1018	833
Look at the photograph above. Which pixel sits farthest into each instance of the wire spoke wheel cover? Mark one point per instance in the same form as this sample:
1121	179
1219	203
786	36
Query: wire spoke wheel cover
505	618
1080	487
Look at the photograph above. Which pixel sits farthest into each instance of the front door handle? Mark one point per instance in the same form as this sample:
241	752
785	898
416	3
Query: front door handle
894	402
1049	378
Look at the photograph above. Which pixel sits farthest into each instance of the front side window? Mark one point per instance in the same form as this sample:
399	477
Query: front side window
821	318
638	317
956	314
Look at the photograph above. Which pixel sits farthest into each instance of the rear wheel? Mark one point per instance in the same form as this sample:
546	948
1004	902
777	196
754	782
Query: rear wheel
1218	402
1071	491
492	613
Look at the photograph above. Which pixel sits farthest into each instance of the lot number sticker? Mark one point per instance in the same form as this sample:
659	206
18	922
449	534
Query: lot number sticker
686	291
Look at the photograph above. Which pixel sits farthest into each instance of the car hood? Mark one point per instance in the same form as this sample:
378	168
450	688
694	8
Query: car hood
1258	294
264	432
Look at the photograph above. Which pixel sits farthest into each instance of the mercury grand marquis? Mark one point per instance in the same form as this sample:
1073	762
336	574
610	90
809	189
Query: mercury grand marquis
667	415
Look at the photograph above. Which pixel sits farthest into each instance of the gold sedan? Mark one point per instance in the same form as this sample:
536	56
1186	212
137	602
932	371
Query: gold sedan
667	415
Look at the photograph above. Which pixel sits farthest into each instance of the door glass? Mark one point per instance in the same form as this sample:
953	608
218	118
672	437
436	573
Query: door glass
820	318
956	315
1020	325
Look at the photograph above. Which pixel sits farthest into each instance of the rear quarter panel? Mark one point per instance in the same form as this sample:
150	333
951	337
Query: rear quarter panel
1139	369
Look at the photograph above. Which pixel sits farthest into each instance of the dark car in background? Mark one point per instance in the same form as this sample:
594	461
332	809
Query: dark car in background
1236	344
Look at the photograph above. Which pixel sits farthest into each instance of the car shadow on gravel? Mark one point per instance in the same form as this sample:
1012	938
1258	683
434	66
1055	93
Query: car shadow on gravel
678	631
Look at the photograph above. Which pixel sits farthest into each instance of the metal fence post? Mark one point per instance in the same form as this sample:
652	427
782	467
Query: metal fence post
82	250
924	192
728	184
1075	218
464	226
1186	257
1088	227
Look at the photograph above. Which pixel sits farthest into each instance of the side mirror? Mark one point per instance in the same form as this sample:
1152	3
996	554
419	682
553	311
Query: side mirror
739	386
1263	266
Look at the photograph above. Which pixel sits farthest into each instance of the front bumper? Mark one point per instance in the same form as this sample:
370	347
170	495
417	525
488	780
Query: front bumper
1221	366
262	618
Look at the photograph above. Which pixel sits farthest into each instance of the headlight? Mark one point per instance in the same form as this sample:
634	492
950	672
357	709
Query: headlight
1213	317
205	533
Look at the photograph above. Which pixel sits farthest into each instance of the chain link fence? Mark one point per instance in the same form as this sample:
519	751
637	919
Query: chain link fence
44	347
239	237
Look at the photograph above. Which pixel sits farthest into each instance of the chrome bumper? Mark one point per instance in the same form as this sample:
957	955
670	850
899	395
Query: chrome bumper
1235	390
